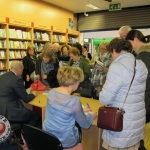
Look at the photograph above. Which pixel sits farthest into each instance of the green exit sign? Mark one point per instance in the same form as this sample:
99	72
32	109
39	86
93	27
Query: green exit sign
113	7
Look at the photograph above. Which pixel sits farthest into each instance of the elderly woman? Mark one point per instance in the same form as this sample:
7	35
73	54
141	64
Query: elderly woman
46	68
63	109
29	63
99	73
79	61
114	91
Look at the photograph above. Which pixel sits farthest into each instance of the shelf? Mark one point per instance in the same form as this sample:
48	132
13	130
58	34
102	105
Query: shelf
16	35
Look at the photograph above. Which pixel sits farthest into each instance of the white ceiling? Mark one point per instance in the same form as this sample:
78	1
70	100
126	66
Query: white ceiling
78	6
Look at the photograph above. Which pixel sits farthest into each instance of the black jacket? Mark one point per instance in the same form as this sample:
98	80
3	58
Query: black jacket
143	53
12	91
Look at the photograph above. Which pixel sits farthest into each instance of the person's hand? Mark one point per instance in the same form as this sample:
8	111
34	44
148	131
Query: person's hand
33	92
38	76
44	76
86	109
94	114
25	147
27	78
100	68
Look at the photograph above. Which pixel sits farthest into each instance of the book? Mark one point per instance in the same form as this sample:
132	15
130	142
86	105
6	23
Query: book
98	64
46	92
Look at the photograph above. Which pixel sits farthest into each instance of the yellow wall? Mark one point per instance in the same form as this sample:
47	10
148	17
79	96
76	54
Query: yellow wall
37	12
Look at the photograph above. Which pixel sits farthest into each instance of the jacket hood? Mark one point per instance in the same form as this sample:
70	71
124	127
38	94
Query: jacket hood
129	62
143	48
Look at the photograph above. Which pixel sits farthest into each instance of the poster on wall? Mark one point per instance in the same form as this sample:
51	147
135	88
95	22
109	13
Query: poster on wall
71	26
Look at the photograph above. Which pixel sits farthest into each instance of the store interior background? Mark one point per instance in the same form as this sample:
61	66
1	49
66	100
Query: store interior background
92	39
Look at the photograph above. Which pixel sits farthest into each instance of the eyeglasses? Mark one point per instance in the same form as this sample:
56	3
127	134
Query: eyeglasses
104	49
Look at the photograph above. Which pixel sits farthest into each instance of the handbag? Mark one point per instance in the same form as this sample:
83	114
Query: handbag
111	118
38	86
86	90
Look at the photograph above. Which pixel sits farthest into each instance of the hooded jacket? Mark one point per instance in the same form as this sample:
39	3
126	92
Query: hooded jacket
143	53
114	91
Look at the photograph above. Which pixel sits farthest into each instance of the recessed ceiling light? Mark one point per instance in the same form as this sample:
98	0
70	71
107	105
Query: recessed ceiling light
92	6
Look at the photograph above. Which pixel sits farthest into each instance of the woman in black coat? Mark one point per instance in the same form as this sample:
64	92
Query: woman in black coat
29	63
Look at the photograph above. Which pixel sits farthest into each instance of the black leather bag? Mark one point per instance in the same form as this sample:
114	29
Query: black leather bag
86	90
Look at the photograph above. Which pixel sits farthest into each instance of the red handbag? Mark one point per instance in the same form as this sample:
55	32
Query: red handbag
38	86
111	118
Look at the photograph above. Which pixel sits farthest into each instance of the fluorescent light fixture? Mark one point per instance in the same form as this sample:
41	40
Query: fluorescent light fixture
92	6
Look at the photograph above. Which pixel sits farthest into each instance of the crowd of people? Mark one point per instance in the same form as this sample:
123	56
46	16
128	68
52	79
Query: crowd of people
65	69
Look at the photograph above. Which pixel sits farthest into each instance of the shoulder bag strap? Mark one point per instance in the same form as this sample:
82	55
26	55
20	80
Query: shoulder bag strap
130	83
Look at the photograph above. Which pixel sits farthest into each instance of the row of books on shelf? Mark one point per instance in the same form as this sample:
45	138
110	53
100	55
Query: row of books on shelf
41	36
13	33
2	65
19	44
72	39
17	54
2	54
2	33
2	72
59	38
2	43
38	46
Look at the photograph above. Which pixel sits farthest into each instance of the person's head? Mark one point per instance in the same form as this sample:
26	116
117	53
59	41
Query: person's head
16	67
84	48
55	47
47	46
65	49
74	54
30	50
103	47
117	45
48	56
70	76
136	38
78	46
123	31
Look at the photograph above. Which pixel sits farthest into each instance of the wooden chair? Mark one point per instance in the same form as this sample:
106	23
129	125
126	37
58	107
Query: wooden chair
38	139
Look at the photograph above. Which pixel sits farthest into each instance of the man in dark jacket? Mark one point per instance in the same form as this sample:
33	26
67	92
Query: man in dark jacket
12	91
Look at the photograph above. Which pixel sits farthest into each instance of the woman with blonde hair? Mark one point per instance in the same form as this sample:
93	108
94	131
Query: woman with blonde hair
64	109
29	62
99	73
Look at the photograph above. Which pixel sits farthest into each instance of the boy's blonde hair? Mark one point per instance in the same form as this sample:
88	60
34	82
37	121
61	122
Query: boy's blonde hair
68	75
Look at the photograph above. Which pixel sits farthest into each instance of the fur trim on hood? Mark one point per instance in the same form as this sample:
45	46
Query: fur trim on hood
143	48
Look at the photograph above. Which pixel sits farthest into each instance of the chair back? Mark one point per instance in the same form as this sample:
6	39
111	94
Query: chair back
38	139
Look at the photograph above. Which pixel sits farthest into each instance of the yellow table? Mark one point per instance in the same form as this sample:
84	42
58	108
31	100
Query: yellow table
91	138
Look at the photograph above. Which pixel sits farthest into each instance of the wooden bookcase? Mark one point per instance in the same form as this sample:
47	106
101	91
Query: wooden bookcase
59	35
41	35
73	37
16	35
3	45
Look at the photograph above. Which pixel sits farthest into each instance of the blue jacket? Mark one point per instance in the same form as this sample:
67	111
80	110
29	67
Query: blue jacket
117	83
62	111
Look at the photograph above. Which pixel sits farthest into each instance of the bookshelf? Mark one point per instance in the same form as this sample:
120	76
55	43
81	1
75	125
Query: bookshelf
19	37
72	36
41	35
16	35
3	46
59	35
